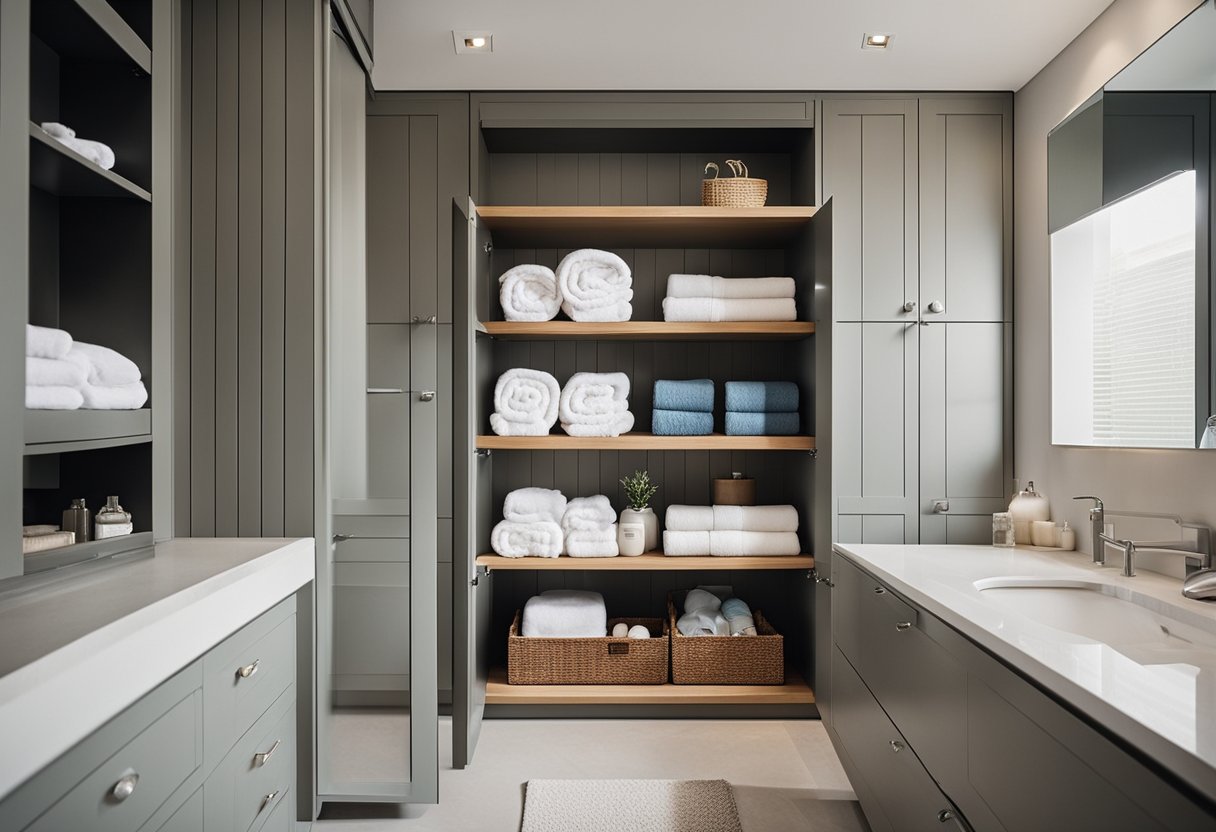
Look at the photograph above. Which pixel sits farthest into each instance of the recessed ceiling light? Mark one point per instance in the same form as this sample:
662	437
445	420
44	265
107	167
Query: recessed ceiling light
472	43
876	41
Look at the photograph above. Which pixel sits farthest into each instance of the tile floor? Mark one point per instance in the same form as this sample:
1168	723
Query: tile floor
785	773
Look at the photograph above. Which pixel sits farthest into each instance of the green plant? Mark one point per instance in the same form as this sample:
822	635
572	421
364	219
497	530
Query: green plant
639	490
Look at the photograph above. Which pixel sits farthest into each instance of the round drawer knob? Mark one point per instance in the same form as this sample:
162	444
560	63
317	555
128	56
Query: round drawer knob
248	670
879	591
903	625
125	787
897	746
945	815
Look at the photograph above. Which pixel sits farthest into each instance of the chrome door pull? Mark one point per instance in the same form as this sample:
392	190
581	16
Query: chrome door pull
263	757
936	307
426	395
909	306
248	670
903	625
125	787
429	319
878	590
897	746
267	800
941	506
342	538
387	391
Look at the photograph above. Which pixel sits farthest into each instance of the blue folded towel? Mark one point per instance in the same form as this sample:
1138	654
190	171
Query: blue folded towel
762	396
761	424
695	395
681	423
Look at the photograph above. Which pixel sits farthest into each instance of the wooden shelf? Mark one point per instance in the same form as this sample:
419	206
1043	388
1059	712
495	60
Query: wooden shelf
649	562
60	431
57	169
638	441
795	691
648	331
88	31
643	226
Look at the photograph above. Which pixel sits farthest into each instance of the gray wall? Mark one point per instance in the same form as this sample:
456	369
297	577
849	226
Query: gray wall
246	465
1164	480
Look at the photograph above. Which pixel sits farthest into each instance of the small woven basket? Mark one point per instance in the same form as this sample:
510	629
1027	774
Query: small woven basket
589	661
727	660
739	191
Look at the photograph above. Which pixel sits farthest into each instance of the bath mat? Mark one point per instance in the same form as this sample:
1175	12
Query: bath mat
630	806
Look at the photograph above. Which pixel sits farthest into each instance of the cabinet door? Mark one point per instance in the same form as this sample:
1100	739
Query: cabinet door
869	171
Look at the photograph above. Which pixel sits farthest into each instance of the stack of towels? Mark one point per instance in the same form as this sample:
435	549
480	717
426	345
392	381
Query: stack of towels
761	408
62	374
683	408
99	154
525	403
589	285
703	297
539	522
731	531
565	613
714	611
529	402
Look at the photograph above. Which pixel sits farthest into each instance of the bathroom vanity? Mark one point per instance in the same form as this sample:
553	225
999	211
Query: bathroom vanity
1015	689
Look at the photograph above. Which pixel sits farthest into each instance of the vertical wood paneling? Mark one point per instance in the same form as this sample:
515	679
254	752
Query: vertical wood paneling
423	227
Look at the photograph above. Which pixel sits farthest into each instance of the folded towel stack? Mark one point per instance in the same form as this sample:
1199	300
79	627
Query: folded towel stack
531	524
731	531
595	286
565	613
761	408
525	403
529	293
62	374
590	528
683	408
596	404
702	297
99	154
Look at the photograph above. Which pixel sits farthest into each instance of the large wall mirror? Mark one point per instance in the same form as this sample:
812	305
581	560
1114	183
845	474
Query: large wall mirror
1130	195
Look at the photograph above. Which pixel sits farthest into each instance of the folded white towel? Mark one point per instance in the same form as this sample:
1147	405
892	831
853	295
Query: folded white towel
596	404
592	543
686	544
701	600
755	518
519	540
707	286
59	131
96	152
588	514
595	286
741	544
53	372
729	309
105	367
44	342
52	398
565	613
122	397
534	505
525	403
689	519
529	292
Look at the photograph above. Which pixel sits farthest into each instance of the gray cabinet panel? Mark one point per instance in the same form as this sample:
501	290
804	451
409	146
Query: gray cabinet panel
373	550
388	220
189	818
242	792
372	620
388	413
373	525
654	109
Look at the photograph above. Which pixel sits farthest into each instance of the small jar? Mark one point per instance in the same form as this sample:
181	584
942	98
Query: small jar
1002	529
112	521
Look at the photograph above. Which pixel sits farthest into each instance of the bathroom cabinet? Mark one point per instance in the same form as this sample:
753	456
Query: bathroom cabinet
925	721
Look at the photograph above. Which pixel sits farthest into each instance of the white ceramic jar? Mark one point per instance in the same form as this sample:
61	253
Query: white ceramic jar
1026	507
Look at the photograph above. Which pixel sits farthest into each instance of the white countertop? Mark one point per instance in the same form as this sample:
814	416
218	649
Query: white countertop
76	653
1166	710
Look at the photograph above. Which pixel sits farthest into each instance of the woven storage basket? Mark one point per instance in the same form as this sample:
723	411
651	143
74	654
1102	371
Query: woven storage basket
739	191
727	660
589	661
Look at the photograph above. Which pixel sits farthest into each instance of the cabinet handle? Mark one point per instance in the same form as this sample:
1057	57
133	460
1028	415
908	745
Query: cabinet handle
897	746
263	757
909	306
267	800
249	669
936	307
429	319
426	395
125	787
385	391
903	625
878	590
941	506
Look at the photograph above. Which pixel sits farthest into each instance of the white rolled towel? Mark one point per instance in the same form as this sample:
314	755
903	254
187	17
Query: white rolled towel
529	292
708	286
596	404
595	286
520	540
98	153
588	514
592	543
53	372
638	631
525	403
105	367
565	613
729	309
45	342
121	397
743	544
534	505
689	519
52	397
59	131
703	623
701	600
755	518
686	544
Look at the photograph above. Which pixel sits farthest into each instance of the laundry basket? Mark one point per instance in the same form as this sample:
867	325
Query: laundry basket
739	191
589	661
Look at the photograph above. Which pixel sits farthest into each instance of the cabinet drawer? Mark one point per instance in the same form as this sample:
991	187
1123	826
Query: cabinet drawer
189	818
124	791
257	773
245	674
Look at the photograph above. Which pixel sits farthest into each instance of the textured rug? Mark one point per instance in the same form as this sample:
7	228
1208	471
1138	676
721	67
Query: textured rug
630	806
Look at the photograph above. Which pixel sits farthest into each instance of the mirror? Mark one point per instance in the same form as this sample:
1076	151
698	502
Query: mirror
1129	207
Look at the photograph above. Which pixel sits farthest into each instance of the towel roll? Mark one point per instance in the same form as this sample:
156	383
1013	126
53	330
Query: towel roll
739	617
696	395
707	286
755	518
520	540
565	613
596	404
761	424
595	285
689	519
701	600
534	505
761	396
529	292
729	309
525	403
45	342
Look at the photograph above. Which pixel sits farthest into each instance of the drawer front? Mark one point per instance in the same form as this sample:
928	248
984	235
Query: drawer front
257	773
279	819
189	818
244	675
125	790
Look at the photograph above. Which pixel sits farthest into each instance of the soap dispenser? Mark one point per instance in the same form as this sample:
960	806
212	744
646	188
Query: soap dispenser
1026	507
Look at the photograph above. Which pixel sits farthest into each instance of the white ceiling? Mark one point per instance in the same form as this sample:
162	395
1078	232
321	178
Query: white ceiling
718	45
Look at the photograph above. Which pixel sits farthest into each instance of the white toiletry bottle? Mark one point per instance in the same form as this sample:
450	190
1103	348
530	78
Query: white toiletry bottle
1026	507
1068	537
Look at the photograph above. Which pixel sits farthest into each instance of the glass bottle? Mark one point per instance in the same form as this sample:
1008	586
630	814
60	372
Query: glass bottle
112	521
77	518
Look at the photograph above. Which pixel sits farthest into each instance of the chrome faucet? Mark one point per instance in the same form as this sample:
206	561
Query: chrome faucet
1097	519
1200	581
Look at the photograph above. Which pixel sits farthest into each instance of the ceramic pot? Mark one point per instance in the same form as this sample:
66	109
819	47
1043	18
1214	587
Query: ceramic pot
648	520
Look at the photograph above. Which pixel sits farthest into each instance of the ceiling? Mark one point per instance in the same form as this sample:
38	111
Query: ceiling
718	45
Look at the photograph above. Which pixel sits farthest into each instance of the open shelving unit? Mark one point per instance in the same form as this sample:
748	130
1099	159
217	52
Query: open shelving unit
648	562
648	331
794	692
63	431
643	441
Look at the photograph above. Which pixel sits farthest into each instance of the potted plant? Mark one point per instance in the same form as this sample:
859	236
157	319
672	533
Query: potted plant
639	491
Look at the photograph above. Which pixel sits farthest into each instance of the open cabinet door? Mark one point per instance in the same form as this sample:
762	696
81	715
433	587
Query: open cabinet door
471	604
824	514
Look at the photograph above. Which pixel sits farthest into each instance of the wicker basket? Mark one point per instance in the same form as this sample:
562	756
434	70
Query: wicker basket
727	660
739	191
589	661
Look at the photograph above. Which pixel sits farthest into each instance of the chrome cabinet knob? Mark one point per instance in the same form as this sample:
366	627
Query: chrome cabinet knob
429	319
426	396
267	800
124	788
248	670
945	815
941	506
909	306
878	590
897	746
936	307
900	626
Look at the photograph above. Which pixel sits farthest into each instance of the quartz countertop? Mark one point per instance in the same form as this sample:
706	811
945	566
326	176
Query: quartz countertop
1167	711
77	651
